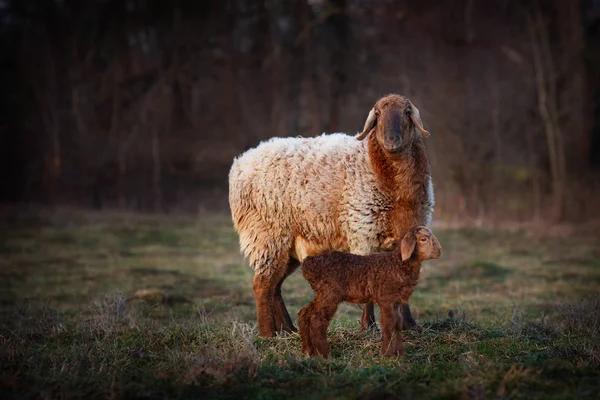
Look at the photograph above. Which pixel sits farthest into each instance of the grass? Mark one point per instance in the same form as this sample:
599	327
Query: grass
114	305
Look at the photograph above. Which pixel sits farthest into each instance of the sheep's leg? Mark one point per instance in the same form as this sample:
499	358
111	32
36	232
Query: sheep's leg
408	321
399	340
319	322
388	325
304	317
363	246
283	321
264	287
367	321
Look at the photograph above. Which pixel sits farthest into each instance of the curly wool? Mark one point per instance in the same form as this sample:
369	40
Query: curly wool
387	279
321	194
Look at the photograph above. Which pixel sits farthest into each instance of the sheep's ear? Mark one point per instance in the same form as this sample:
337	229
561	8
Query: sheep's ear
369	124
416	119
407	246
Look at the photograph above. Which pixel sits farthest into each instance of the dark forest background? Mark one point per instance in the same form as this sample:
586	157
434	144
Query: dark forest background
142	105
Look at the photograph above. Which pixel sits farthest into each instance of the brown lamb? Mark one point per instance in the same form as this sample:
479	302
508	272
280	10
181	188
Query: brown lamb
387	279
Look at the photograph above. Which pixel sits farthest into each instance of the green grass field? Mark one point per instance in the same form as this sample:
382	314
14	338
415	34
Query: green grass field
101	305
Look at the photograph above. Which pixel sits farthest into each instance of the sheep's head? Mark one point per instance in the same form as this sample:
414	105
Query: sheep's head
395	121
421	244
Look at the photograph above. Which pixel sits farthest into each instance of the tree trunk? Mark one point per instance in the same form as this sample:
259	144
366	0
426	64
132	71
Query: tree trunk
122	175
310	75
338	23
545	74
156	171
579	112
536	193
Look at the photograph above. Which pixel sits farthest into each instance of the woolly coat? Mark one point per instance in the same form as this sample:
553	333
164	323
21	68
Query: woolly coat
295	197
362	279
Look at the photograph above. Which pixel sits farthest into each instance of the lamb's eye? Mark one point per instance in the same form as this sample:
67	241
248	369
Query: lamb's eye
423	239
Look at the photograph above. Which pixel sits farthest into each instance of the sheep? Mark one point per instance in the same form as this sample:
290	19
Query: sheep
295	197
387	279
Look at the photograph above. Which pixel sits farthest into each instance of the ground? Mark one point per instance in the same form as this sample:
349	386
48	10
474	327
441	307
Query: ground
117	305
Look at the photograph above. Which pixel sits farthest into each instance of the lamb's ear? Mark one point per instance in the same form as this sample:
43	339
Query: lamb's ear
407	246
416	119
369	124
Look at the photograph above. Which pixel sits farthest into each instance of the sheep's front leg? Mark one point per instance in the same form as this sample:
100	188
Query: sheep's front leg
367	321
283	322
399	340
362	246
319	322
264	287
388	326
304	318
408	321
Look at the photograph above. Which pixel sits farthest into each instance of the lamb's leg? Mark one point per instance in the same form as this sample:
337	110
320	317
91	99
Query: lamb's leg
304	317
283	321
319	322
408	321
362	246
399	340
264	287
388	325
367	321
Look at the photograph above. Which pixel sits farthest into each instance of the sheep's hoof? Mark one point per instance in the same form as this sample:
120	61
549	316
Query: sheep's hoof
394	354
415	327
369	327
410	326
287	329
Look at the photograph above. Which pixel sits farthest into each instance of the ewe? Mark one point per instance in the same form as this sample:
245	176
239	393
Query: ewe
295	197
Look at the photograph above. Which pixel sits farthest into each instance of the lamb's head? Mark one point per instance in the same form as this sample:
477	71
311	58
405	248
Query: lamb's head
419	243
395	122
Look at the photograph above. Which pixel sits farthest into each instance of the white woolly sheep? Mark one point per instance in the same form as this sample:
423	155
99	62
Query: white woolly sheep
295	197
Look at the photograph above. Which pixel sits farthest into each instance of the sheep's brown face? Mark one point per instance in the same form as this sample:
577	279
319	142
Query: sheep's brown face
421	244
395	122
394	127
428	246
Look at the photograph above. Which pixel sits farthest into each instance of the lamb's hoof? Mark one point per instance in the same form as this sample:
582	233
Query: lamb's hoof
394	354
314	353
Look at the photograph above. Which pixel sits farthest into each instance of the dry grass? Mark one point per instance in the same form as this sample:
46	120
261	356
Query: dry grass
119	305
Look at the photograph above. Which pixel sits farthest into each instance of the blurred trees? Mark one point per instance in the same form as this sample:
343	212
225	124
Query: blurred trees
143	104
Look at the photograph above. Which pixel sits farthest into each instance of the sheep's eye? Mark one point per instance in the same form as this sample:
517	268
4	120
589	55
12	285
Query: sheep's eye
407	111
423	239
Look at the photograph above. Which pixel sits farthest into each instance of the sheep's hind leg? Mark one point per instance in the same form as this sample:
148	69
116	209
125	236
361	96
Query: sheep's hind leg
283	321
264	287
367	320
408	321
